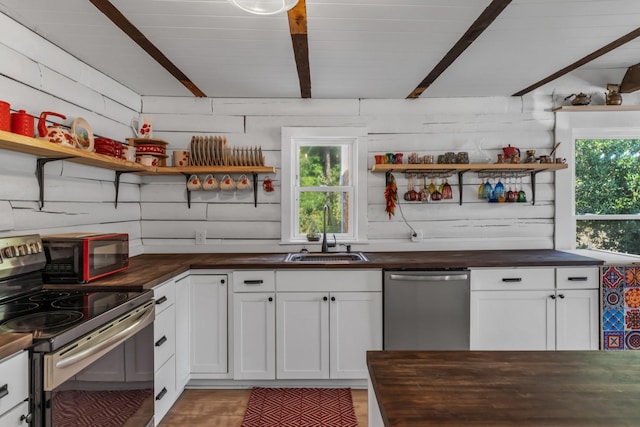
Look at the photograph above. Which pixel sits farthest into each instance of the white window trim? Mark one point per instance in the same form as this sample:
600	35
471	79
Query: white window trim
582	125
288	136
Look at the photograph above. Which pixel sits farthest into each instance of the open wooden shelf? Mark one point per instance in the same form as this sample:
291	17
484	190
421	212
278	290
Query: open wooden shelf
460	169
468	167
42	148
48	152
597	108
200	170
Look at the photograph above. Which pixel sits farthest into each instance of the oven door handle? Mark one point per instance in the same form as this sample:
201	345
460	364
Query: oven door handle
124	329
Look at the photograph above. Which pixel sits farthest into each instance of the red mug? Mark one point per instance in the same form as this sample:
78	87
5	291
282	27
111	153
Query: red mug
5	116
22	123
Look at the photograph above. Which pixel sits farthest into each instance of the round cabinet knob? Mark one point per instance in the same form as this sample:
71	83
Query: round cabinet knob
270	299
324	298
552	296
26	418
333	298
561	296
222	281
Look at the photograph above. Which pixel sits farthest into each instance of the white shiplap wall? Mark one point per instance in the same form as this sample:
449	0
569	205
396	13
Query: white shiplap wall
37	76
480	126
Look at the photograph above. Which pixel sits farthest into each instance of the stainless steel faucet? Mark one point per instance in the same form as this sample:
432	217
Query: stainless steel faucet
325	245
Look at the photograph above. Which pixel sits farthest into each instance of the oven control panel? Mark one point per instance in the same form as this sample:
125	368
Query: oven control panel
21	251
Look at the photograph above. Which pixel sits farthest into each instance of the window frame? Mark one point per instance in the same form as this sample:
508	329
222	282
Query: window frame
293	137
571	126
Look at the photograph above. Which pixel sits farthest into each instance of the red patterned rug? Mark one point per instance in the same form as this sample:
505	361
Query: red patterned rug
79	408
300	407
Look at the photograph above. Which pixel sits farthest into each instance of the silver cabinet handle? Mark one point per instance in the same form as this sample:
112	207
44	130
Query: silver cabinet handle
438	278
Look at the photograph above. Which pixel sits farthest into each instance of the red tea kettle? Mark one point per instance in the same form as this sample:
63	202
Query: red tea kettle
54	134
510	151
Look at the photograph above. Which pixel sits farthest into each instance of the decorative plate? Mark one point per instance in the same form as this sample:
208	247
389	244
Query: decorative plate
82	134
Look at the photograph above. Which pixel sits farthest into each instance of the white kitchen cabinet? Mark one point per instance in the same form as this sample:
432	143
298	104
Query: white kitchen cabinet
254	339
326	321
534	309
14	388
355	320
578	308
182	337
302	335
512	320
208	340
164	333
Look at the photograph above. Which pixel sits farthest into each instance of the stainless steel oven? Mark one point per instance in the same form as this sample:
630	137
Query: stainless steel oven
92	356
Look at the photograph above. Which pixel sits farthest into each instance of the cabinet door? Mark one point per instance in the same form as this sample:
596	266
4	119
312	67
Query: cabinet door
577	319
513	320
254	326
302	335
355	323
182	333
209	324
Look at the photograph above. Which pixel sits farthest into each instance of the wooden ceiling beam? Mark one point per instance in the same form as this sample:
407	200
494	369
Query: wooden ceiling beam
300	42
579	63
479	25
111	12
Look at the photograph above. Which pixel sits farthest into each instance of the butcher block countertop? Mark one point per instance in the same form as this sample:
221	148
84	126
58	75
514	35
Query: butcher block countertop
12	343
149	270
484	388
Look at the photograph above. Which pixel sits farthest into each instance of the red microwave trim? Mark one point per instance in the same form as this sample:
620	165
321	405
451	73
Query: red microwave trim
85	252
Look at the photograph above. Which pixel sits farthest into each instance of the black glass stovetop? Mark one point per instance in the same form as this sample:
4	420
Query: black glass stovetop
47	313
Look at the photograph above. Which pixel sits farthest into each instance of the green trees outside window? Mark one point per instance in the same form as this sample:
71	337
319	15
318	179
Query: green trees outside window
323	180
608	194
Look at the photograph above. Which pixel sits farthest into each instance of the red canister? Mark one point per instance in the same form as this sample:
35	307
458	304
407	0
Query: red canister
22	123
5	116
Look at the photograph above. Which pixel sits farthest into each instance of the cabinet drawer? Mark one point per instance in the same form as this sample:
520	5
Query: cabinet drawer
14	418
164	336
254	281
313	280
165	296
577	278
513	279
14	381
164	389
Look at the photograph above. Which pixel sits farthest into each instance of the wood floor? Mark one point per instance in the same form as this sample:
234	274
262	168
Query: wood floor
225	408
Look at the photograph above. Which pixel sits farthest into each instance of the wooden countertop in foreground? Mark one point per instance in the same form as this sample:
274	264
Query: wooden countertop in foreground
149	270
483	388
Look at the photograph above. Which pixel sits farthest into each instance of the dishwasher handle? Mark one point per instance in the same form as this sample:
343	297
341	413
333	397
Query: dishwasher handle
428	278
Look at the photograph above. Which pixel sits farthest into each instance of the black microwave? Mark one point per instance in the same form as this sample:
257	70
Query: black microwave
83	257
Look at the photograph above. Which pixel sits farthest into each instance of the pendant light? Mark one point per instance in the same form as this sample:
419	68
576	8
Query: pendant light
264	7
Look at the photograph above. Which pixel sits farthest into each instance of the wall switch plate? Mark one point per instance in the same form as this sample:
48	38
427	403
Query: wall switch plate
417	236
201	237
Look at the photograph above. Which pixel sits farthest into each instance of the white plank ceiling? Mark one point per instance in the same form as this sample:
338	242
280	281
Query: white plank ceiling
357	48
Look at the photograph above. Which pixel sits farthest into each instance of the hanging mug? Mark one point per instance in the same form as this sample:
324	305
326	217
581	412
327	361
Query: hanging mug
267	185
227	183
244	183
141	127
194	183
210	183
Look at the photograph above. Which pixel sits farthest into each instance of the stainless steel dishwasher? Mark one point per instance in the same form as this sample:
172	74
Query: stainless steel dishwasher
426	310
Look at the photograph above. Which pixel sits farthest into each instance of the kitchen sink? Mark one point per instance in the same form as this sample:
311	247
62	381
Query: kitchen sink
326	257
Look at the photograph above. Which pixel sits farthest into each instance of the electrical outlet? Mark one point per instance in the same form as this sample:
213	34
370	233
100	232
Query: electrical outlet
417	236
201	237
